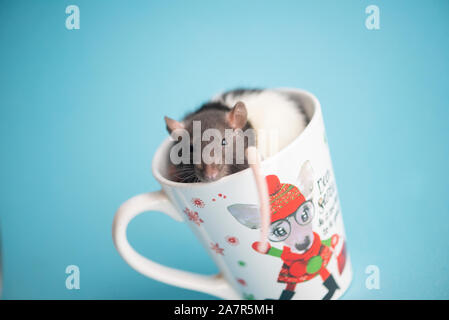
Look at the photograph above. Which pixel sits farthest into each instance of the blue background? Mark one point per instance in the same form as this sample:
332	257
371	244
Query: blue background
82	115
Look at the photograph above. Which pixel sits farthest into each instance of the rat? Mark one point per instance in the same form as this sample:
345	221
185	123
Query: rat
267	111
264	110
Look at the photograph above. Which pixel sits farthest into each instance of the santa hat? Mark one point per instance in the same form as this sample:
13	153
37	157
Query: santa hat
284	198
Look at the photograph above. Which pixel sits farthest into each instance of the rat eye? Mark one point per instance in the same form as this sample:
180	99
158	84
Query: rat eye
224	142
279	231
305	213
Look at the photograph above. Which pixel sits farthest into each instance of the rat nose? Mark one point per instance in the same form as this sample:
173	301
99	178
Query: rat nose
210	172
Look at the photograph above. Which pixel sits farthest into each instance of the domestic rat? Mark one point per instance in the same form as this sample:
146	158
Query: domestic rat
268	112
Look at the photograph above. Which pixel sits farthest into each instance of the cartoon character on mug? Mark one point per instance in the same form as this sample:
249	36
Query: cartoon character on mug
305	255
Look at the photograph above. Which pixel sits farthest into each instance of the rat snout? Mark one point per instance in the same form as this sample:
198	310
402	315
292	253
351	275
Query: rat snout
303	244
301	237
211	172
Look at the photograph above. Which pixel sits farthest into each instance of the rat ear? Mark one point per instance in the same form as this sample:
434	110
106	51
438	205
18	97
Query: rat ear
172	125
238	116
246	214
305	179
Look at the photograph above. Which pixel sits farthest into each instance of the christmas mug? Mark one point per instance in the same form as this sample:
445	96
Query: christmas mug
307	255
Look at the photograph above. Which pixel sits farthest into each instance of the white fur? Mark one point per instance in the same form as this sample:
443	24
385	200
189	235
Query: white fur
277	119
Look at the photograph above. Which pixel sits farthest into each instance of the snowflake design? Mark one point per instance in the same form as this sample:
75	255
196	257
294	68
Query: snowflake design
197	202
248	296
193	216
233	241
242	282
241	263
215	247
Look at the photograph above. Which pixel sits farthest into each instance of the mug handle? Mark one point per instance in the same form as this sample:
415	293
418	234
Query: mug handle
158	201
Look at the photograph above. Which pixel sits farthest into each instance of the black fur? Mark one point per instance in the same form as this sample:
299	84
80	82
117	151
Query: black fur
240	91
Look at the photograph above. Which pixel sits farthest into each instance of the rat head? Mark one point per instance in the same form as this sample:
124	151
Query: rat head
214	133
291	215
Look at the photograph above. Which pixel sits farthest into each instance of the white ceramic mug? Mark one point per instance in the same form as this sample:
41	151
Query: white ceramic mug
307	258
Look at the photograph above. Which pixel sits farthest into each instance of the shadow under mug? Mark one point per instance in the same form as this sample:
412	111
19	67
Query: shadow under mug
307	258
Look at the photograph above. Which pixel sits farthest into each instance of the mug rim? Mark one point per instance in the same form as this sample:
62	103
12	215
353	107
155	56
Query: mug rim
157	158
